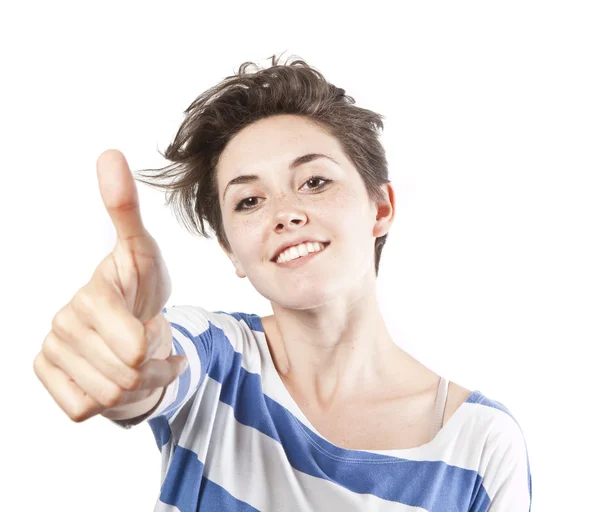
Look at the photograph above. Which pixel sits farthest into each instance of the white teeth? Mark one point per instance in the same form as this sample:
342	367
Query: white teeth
303	249
300	250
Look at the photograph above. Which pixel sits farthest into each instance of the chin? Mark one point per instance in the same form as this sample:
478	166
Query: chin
300	304
302	296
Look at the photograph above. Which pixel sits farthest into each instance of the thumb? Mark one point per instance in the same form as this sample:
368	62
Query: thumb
119	194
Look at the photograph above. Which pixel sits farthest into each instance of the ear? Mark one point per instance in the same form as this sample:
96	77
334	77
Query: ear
238	268
386	210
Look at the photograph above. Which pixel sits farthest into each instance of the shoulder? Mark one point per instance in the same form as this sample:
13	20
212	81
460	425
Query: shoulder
457	395
504	458
199	318
214	331
222	339
494	430
490	420
503	428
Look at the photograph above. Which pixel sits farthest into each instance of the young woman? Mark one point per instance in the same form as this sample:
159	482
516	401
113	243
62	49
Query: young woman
313	407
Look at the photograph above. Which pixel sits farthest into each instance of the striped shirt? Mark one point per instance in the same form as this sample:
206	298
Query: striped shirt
232	438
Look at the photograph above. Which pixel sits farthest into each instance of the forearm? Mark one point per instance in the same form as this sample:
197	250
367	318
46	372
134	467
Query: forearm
141	408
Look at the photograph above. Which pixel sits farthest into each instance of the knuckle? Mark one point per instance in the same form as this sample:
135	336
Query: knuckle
107	296
110	396
139	350
59	322
84	299
130	379
51	347
37	362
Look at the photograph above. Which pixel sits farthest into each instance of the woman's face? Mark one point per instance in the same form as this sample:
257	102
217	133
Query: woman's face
320	200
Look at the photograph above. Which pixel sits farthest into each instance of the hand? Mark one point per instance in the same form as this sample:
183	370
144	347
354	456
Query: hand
110	346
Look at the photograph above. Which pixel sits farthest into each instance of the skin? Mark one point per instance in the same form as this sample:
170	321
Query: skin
327	336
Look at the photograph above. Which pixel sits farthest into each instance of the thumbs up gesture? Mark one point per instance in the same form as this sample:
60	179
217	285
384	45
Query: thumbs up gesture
109	349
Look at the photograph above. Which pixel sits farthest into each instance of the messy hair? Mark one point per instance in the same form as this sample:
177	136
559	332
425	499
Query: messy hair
220	112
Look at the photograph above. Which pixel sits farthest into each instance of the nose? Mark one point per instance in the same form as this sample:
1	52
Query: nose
289	215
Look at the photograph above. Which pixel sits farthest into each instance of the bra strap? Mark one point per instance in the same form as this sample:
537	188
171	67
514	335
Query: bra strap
440	405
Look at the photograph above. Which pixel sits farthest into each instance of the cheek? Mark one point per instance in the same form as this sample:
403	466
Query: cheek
343	208
250	225
245	234
349	215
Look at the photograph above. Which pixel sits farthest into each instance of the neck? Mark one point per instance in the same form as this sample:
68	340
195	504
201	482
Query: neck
337	352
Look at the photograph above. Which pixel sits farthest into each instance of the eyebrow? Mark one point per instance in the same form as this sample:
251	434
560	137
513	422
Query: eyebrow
297	162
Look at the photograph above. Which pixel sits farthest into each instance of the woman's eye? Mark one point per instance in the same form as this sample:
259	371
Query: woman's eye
244	204
240	205
314	179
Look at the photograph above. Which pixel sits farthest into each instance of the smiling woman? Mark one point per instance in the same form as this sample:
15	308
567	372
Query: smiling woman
314	407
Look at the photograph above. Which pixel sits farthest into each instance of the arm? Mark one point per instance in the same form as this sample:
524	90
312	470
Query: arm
514	490
506	484
136	413
190	336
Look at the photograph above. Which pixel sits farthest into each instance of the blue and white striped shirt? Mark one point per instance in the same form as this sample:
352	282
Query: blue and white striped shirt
232	438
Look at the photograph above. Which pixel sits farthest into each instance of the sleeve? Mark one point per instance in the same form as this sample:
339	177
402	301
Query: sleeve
507	474
192	337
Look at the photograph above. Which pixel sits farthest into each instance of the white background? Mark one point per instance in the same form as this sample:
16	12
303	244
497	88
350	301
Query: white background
491	271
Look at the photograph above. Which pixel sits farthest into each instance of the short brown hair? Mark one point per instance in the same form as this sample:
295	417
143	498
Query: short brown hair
239	100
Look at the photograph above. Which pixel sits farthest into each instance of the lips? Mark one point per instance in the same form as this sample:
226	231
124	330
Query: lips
302	259
292	244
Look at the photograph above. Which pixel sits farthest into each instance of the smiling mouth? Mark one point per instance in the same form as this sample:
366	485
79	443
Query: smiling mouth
310	255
